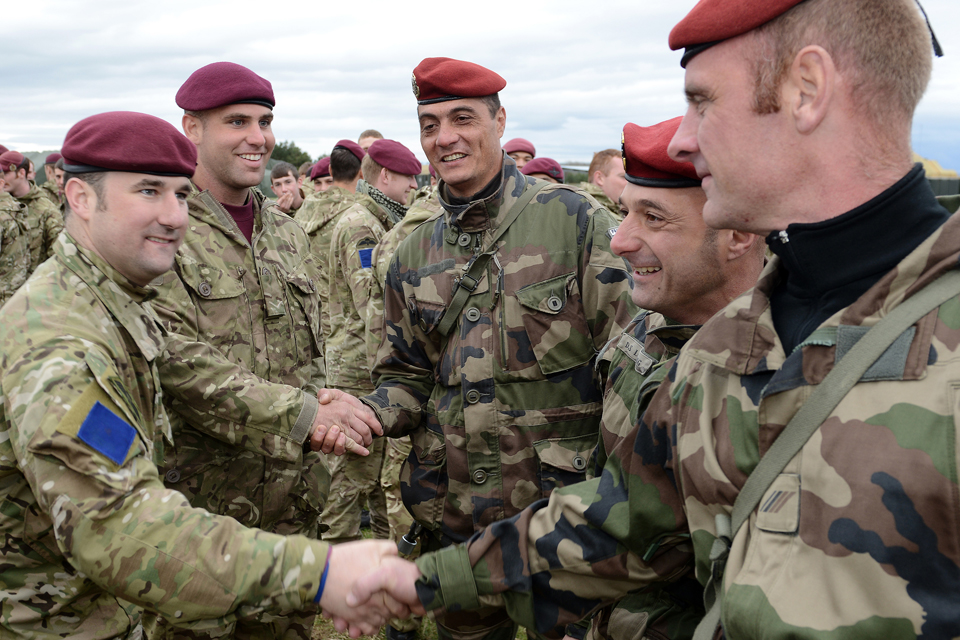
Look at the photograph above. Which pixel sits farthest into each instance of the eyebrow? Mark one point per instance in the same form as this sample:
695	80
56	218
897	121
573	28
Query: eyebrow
246	116
454	111
693	92
653	204
150	182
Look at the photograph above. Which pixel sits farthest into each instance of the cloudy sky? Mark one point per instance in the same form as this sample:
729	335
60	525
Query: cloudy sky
576	71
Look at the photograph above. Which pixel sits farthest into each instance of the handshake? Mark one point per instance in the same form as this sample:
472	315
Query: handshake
343	424
366	584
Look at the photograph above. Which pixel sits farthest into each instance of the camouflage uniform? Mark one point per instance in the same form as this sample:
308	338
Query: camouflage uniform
318	216
352	283
507	407
43	223
633	365
601	197
857	538
51	191
90	534
241	385
14	254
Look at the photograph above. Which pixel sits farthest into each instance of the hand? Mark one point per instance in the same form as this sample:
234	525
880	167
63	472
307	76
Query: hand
348	562
395	577
285	202
342	424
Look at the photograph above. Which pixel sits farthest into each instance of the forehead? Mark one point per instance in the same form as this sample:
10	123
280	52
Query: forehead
441	110
686	203
250	111
286	176
727	61
122	180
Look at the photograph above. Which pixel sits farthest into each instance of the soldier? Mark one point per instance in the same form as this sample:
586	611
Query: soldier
606	178
286	185
368	137
494	313
320	175
91	535
42	219
521	150
242	385
389	169
50	187
14	251
319	216
799	118
544	169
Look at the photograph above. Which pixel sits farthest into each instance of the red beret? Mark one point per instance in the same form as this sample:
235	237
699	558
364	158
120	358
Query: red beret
646	161
548	166
223	83
352	147
128	141
442	79
711	22
392	155
321	169
519	144
52	158
10	159
3	149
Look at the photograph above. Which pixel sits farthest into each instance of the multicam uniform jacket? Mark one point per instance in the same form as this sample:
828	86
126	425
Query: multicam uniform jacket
318	216
52	192
87	526
43	222
242	375
858	538
507	407
14	252
602	198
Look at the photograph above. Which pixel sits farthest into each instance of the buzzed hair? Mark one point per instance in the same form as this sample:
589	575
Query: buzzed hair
882	47
94	179
283	169
600	160
370	133
344	166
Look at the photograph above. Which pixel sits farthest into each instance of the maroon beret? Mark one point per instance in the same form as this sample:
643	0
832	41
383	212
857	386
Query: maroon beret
442	79
646	161
321	169
392	155
52	158
10	159
520	144
548	166
3	149
128	141
223	83
711	22
352	147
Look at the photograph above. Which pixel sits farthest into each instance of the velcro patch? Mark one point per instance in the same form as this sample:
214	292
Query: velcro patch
366	258
107	433
633	349
612	231
779	511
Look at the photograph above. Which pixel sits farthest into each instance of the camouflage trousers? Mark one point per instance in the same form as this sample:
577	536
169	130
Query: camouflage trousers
400	519
353	480
651	614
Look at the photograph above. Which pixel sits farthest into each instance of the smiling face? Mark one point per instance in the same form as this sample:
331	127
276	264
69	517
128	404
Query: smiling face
520	157
138	224
675	257
234	143
288	184
462	140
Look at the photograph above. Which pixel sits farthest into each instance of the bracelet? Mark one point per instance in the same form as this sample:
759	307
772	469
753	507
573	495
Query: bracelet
323	578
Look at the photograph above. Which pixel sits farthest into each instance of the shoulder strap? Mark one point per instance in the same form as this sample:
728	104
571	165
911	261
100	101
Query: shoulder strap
824	399
473	270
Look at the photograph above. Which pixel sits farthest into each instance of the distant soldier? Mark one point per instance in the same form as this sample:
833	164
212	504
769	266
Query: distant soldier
318	216
90	534
285	182
606	179
14	252
50	186
389	169
242	385
521	150
305	182
320	175
42	219
544	169
368	137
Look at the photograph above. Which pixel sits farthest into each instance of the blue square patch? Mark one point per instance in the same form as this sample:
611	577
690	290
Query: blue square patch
366	257
107	433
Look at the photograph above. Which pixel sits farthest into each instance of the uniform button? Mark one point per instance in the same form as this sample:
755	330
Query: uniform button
264	271
205	289
422	324
464	240
480	476
172	476
554	303
579	463
473	314
473	396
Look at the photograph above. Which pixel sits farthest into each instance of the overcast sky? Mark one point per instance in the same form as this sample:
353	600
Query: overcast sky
575	71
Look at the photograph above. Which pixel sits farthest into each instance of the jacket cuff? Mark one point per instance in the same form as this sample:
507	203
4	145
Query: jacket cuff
447	580
308	413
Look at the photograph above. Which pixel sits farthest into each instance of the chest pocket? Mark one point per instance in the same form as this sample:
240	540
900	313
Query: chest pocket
216	295
305	310
551	312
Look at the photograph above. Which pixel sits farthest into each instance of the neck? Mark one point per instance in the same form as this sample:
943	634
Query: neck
224	194
348	185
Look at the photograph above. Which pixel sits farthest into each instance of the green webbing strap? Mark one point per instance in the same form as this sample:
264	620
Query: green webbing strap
806	421
473	270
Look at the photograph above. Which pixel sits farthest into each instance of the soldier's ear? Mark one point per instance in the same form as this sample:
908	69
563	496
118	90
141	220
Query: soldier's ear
501	121
192	128
739	243
81	198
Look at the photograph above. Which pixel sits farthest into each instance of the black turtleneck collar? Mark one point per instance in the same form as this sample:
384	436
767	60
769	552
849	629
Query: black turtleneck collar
492	187
827	265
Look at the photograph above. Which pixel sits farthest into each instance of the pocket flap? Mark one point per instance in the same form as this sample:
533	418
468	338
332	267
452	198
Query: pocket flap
568	454
209	282
549	296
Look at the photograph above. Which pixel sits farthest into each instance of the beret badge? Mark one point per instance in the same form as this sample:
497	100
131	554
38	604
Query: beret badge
413	81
